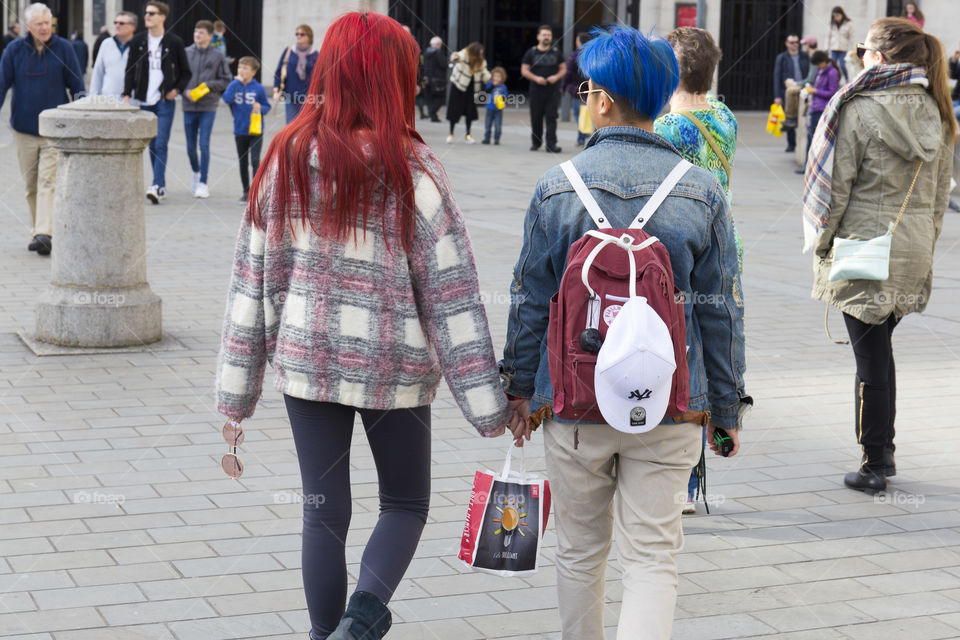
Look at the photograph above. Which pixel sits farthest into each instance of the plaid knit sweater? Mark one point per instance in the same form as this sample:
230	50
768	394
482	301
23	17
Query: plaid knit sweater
353	323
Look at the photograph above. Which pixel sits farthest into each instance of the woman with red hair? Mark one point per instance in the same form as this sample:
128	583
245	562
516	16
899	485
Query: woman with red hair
354	277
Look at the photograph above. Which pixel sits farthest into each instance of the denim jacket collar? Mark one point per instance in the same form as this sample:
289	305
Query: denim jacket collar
629	134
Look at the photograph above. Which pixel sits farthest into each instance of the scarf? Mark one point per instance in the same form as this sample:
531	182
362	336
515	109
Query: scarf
817	183
302	55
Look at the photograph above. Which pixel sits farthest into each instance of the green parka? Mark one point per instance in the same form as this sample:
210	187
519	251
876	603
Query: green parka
881	139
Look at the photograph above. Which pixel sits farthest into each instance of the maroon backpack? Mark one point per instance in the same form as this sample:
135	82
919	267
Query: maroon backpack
594	286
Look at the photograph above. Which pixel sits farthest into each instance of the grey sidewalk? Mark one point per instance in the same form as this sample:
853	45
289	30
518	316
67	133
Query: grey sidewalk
117	522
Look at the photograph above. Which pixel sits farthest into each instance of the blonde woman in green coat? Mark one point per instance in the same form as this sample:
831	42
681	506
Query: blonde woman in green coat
891	126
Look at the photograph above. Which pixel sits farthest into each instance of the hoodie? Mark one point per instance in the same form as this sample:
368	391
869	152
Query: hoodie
206	65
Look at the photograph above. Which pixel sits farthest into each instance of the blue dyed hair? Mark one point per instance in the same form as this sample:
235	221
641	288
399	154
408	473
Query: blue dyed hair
635	68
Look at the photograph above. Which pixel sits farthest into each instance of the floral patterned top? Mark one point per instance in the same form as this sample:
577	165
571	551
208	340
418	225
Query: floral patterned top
686	137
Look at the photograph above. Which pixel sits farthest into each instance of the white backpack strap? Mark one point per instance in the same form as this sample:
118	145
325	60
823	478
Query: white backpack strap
585	196
660	195
624	242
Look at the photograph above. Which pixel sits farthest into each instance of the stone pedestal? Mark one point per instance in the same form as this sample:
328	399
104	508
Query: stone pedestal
98	294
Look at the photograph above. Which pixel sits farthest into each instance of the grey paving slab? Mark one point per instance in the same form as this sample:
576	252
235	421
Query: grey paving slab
802	557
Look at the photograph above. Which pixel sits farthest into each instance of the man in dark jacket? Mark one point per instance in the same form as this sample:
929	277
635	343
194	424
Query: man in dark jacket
12	34
207	66
41	68
791	65
435	76
157	72
80	48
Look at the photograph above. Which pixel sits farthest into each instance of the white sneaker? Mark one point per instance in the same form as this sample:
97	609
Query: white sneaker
202	191
450	139
689	507
469	139
195	182
153	194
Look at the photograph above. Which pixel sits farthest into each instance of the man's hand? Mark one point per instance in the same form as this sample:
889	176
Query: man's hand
520	422
553	79
172	94
734	437
276	95
541	80
778	101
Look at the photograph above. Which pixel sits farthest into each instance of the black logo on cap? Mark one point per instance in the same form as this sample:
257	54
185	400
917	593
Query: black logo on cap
636	395
638	417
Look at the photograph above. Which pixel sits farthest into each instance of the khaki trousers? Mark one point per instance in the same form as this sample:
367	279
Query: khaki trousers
637	485
38	166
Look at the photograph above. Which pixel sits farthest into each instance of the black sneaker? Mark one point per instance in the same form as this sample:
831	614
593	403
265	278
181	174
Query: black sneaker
485	141
497	141
554	149
34	244
243	198
534	147
44	244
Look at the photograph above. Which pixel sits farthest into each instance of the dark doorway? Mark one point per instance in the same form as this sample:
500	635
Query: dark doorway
752	33
244	22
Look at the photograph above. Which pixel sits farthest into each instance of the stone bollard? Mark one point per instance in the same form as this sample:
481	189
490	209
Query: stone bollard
98	294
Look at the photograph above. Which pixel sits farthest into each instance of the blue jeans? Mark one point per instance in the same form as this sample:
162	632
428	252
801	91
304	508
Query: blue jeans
201	122
164	110
956	109
581	137
814	121
495	120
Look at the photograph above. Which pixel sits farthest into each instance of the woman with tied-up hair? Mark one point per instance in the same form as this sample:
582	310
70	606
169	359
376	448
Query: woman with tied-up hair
354	277
884	145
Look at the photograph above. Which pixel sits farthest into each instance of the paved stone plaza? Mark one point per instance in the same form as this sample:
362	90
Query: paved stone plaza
116	520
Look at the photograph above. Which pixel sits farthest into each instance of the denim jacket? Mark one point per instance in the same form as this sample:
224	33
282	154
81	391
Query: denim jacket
623	166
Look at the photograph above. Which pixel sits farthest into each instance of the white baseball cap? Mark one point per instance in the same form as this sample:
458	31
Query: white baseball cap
635	368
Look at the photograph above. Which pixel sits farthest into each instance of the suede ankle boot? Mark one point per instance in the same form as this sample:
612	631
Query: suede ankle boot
366	618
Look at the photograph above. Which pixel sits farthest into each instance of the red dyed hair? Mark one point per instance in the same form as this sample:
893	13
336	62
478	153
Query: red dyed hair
359	111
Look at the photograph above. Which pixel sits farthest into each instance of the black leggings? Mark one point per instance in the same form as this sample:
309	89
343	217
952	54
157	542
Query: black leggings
875	390
400	442
248	146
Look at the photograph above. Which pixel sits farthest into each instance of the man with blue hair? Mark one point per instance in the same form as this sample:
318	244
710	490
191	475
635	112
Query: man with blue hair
601	478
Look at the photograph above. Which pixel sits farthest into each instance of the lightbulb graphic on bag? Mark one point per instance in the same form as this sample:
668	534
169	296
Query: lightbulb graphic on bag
509	521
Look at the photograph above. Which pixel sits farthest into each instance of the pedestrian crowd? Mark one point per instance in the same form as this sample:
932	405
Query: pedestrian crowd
354	275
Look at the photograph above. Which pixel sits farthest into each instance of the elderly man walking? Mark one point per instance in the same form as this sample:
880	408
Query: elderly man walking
43	72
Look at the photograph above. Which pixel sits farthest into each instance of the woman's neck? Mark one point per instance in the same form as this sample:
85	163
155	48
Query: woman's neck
685	100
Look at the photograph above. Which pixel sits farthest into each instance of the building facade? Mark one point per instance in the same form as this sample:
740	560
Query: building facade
750	32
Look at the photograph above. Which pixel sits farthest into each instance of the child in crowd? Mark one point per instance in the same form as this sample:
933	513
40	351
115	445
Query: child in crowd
497	101
246	97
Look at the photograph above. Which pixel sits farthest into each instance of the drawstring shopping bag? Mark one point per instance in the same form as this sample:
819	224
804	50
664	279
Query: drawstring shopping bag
505	521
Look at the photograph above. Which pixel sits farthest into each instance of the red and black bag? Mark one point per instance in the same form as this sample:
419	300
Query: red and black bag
595	285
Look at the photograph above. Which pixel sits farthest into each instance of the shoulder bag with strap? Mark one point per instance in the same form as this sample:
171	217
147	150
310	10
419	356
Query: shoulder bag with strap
283	69
604	269
691	116
865	259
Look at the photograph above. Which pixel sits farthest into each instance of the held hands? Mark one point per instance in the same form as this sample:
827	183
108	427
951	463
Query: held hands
732	433
520	421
